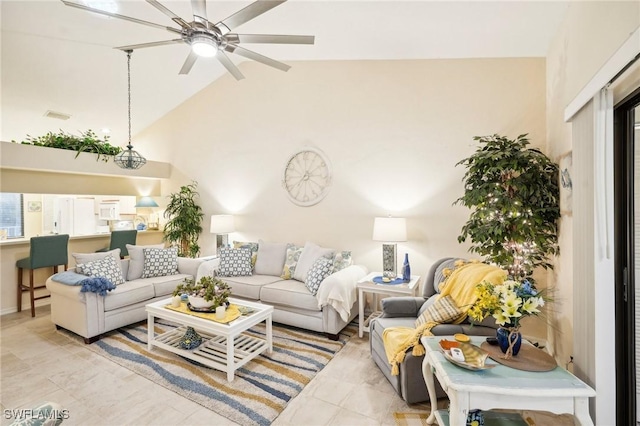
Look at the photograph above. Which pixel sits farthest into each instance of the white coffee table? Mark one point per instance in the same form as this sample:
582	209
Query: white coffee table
224	346
557	391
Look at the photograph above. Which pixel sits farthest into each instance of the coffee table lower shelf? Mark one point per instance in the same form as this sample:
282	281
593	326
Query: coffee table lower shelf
491	418
213	351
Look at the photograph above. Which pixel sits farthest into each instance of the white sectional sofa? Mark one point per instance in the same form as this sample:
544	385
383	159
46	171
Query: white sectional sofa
328	311
89	314
326	307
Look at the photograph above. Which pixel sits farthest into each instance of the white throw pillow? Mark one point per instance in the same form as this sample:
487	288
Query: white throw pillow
136	260
271	257
320	270
309	255
84	258
160	262
107	267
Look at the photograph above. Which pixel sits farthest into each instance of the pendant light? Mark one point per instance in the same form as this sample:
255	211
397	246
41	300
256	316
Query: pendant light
129	158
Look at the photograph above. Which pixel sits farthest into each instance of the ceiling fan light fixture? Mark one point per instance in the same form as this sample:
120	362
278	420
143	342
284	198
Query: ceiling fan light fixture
204	46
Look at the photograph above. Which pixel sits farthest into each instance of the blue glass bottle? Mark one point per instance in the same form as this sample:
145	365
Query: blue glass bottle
406	269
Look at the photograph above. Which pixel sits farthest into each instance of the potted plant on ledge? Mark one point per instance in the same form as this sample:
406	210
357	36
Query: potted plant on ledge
206	294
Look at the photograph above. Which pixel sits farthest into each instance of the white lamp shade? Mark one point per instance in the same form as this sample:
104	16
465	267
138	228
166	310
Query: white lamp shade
390	229
146	202
222	224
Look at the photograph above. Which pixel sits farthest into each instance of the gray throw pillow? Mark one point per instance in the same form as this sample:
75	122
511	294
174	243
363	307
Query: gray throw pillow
160	262
107	267
136	260
84	258
234	262
270	259
309	255
320	270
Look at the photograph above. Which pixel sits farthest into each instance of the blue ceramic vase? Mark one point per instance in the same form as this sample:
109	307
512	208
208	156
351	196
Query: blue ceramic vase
502	334
475	418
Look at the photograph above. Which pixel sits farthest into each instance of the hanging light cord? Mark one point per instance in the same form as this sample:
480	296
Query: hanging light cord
129	92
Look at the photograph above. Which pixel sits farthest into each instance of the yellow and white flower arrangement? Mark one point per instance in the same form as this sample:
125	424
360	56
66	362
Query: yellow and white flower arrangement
508	302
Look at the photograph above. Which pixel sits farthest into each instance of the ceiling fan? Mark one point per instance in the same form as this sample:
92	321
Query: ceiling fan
208	39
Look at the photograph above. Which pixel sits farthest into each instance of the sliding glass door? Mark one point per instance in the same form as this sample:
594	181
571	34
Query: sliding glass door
627	236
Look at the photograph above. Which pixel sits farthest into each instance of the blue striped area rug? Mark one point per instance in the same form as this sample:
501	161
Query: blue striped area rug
260	390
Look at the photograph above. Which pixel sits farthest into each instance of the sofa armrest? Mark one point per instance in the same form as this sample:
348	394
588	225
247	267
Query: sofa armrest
189	266
394	307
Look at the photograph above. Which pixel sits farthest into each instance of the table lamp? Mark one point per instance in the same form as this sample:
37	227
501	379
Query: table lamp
222	225
389	230
151	220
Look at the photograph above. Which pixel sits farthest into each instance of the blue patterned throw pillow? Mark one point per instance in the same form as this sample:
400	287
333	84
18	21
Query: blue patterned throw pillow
160	262
291	260
320	270
107	267
234	262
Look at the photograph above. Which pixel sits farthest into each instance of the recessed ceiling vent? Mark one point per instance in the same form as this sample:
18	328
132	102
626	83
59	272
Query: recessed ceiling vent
57	115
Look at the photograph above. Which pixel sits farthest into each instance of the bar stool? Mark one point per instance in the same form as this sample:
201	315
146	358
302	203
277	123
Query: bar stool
45	252
120	239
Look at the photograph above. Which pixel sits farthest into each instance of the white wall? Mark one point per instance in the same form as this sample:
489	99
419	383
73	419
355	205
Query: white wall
393	131
590	34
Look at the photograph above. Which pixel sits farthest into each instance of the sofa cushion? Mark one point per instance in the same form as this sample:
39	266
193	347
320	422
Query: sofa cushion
309	255
249	287
289	293
234	262
129	293
320	270
341	260
159	262
442	311
251	246
293	254
83	258
164	286
270	259
107	267
136	260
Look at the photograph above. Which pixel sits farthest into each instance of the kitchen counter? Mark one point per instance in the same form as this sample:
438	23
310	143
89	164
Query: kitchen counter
19	241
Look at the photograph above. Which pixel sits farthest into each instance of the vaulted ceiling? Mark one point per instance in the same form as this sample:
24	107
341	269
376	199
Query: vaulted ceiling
58	58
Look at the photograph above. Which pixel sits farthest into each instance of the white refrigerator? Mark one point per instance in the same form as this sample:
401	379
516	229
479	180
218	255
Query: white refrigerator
74	216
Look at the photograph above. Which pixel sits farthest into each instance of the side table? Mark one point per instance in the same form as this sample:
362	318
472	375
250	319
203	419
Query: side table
557	391
367	285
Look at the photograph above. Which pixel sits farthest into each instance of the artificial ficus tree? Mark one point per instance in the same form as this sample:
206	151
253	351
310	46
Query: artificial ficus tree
513	194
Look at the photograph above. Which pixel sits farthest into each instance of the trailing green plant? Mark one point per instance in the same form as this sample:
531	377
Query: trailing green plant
513	195
87	142
185	218
208	287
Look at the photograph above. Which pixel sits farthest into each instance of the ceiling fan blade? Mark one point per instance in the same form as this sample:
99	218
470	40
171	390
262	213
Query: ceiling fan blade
115	15
230	66
243	15
152	44
178	20
256	57
188	63
270	38
200	11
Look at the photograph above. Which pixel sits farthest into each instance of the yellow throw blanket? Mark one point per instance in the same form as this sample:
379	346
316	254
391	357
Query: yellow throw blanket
460	285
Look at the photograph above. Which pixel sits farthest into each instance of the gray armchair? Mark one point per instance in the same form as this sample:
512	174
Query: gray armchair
403	311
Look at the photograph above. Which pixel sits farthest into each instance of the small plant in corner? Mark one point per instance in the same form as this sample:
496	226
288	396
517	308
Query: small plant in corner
211	289
87	142
185	218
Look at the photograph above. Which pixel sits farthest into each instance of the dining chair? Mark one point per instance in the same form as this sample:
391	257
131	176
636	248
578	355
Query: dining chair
120	239
44	252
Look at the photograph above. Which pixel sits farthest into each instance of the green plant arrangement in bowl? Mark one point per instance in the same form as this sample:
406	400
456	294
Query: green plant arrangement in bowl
87	142
208	292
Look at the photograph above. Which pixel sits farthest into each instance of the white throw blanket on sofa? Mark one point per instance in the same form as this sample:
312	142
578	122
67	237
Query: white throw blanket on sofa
339	290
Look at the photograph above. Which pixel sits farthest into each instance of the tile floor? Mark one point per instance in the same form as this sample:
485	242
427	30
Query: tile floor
38	364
